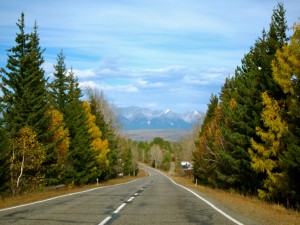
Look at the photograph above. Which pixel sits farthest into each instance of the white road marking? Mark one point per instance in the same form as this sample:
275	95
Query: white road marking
105	220
206	201
61	196
129	200
136	194
120	207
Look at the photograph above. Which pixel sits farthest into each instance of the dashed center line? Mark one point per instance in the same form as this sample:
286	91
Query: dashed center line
105	220
122	206
129	200
118	209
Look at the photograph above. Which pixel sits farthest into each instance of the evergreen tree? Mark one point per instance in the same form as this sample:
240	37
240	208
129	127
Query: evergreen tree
60	84
81	161
13	81
251	79
24	86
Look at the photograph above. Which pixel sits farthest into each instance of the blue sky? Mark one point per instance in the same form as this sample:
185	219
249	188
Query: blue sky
158	54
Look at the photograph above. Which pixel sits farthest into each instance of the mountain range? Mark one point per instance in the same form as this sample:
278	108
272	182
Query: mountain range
137	118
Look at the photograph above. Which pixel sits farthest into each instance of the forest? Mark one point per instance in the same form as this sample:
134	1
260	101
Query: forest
250	139
50	136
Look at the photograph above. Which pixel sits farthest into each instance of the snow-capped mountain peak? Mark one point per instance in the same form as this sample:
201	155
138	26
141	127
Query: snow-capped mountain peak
167	111
136	118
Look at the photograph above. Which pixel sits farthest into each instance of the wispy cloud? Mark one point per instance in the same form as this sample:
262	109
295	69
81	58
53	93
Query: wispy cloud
159	53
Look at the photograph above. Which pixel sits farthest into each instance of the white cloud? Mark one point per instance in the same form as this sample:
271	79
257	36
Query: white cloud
88	73
159	53
91	84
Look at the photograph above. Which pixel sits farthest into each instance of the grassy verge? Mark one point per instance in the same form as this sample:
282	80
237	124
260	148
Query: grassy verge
250	207
10	201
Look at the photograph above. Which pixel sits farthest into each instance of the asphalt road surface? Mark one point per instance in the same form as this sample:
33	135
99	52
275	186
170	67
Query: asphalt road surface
151	200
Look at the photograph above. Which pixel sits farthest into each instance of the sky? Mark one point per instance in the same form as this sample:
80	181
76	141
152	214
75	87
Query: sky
157	54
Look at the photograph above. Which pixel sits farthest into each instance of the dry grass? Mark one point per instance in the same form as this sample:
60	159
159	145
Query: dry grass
10	201
250	207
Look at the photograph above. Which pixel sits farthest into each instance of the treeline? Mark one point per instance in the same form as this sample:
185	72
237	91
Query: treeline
159	153
250	138
48	135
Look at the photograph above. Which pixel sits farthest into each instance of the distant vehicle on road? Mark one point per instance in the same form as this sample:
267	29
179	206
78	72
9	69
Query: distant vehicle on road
185	165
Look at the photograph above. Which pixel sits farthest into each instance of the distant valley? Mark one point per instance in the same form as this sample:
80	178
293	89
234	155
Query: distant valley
149	135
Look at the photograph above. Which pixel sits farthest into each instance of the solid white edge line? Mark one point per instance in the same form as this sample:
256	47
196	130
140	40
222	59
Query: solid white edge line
105	220
206	201
61	196
120	207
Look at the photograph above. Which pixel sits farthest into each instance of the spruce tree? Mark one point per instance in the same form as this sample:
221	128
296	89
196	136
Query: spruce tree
38	118
13	81
80	162
24	86
60	84
251	79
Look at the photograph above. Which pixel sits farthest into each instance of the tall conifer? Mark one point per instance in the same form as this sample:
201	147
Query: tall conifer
60	84
24	86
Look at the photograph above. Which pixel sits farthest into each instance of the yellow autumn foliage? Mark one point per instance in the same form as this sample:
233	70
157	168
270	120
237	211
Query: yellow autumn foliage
60	134
265	155
98	145
286	65
26	161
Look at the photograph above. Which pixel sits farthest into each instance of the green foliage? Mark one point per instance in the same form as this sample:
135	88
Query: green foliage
4	161
60	84
24	86
47	135
265	156
99	106
56	154
257	110
98	144
166	150
26	161
287	73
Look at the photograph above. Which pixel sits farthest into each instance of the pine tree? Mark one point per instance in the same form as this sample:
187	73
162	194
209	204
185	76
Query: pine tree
251	79
60	84
13	81
24	86
80	167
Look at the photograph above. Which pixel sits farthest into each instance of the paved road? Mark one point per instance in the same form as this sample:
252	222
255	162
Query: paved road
151	200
